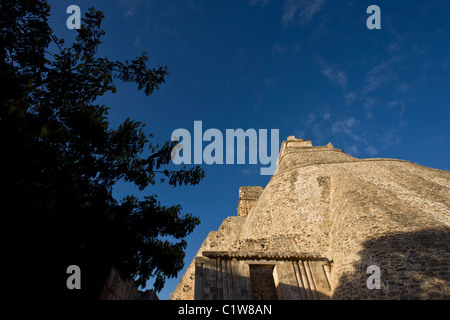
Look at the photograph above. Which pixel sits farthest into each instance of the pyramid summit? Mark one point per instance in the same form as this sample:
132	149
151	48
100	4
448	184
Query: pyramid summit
330	226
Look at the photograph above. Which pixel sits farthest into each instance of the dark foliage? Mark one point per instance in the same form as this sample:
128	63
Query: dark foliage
60	158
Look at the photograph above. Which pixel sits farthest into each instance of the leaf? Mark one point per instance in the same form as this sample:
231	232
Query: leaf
45	131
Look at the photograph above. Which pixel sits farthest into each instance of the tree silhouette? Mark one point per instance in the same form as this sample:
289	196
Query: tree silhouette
60	159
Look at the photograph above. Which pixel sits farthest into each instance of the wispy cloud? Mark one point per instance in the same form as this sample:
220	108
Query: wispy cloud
350	98
371	150
137	42
300	9
338	76
129	7
166	30
258	101
249	171
348	126
404	87
268	82
374	80
369	104
353	150
319	126
310	127
399	105
295	10
333	73
197	6
263	3
379	75
278	49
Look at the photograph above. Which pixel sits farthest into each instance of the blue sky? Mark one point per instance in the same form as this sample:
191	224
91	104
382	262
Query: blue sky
310	68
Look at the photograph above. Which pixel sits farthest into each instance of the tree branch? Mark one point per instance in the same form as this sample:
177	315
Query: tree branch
56	42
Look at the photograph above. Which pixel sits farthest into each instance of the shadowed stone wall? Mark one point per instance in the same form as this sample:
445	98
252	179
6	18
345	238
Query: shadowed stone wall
115	288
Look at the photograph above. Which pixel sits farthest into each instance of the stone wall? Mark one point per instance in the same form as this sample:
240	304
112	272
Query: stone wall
247	199
224	237
115	288
351	213
394	215
232	276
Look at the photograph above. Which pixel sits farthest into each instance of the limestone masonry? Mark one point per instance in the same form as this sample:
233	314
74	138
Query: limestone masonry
321	221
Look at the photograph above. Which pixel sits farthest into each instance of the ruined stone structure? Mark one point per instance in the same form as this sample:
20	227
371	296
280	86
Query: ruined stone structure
321	221
115	288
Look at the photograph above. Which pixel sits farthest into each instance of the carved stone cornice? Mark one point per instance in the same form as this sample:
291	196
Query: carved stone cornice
262	255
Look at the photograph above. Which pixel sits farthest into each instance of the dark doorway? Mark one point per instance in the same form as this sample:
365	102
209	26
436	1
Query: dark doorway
263	285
